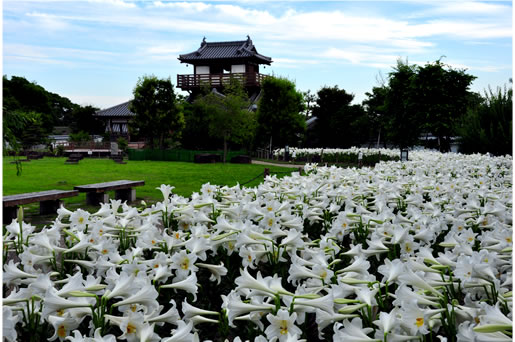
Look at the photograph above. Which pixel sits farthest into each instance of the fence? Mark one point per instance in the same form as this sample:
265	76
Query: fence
176	155
88	145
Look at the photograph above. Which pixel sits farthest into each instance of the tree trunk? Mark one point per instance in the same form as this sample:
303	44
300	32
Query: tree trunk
161	141
225	148
378	138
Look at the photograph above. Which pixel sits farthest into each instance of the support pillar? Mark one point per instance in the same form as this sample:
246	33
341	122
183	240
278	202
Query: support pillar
9	214
49	207
95	198
128	195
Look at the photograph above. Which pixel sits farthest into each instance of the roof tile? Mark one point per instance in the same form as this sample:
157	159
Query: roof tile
118	110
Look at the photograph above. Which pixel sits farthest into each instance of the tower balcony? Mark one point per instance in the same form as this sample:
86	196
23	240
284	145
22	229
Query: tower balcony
197	81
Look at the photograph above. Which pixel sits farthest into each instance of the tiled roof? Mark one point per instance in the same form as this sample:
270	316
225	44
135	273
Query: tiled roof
224	50
118	110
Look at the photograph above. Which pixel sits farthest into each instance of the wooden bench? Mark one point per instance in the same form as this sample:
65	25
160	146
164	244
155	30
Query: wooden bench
74	158
49	202
96	193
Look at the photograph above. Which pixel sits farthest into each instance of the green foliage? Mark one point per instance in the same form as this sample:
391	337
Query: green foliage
403	126
80	137
227	116
279	117
22	95
440	95
13	123
375	108
123	144
487	127
23	130
196	131
431	99
84	120
309	100
339	124
59	151
158	113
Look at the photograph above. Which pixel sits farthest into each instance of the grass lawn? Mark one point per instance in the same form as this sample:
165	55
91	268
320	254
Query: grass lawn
52	173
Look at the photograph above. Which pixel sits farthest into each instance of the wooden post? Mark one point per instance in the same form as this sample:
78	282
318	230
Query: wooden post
300	171
9	213
267	172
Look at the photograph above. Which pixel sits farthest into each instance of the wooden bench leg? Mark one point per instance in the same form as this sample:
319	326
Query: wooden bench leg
128	195
94	198
49	207
9	214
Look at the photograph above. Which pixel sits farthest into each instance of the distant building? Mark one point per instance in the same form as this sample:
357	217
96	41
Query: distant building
214	63
117	119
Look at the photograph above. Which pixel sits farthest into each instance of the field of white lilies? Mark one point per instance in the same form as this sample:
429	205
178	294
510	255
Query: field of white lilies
412	251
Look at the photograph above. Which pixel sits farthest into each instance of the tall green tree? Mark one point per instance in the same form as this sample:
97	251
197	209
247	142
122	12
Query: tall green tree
440	95
22	95
196	130
279	117
374	106
158	113
23	130
487	126
84	119
229	118
431	99
309	100
403	123
339	123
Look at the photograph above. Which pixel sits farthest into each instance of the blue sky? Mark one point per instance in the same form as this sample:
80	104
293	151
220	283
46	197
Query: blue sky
93	52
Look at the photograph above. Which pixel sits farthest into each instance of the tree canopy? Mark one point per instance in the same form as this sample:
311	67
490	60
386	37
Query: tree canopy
279	117
158	113
227	115
487	126
430	98
339	123
374	106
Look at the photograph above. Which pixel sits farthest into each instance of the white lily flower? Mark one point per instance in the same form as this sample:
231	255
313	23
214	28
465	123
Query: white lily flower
281	324
171	316
13	275
217	271
124	286
52	303
9	322
352	331
189	285
182	333
146	296
62	325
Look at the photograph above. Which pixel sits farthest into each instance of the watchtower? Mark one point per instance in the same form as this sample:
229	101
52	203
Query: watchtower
214	63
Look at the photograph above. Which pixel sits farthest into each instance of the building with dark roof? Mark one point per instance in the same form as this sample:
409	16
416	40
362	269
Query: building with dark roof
214	63
117	120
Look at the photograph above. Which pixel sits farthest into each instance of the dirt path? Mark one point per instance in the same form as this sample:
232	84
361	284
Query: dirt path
259	162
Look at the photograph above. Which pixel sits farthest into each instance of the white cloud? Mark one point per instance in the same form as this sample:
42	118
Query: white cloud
187	6
357	55
462	8
462	29
50	51
117	3
293	38
293	62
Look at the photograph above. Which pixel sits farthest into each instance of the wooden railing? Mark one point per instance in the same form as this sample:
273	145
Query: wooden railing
88	145
188	82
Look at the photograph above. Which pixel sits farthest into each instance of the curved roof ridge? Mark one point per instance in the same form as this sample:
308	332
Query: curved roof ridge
236	49
121	109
